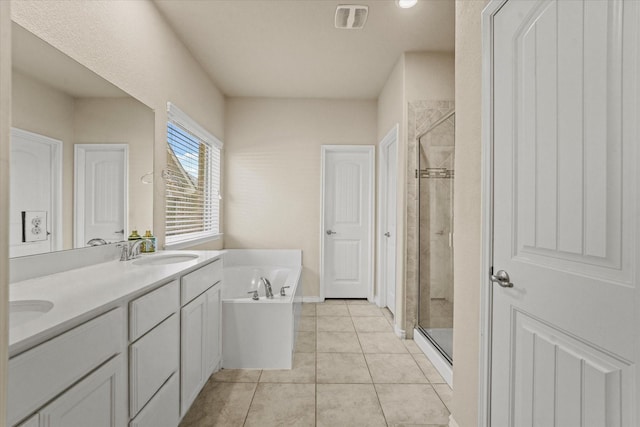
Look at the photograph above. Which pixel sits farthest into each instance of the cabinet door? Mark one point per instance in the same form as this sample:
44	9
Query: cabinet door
99	400
212	339
193	366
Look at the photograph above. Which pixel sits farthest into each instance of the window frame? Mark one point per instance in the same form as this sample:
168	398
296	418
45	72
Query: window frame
179	118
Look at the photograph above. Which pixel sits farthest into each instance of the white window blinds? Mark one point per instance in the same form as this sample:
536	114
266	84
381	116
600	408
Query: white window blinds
192	180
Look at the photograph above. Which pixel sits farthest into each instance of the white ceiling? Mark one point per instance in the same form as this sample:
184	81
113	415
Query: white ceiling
290	48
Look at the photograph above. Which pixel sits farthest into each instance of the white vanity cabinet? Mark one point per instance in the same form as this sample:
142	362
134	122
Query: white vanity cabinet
75	379
154	357
201	343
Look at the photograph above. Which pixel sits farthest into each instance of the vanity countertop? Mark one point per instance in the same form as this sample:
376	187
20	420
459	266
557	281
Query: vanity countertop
81	294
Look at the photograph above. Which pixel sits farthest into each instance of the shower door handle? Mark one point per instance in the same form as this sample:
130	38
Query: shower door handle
502	278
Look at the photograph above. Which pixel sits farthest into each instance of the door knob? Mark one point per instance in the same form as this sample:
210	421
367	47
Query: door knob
502	279
387	234
329	232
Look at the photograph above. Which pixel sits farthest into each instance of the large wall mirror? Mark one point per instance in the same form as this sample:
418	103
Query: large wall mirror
81	154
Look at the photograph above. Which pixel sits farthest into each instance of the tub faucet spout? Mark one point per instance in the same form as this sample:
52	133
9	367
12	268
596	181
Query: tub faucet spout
267	287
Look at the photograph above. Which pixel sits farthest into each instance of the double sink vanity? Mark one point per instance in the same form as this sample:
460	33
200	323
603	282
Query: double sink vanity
115	343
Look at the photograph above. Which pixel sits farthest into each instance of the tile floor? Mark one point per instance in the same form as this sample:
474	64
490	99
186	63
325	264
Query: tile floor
349	369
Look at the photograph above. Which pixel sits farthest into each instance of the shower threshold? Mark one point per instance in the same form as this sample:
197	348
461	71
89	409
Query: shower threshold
441	339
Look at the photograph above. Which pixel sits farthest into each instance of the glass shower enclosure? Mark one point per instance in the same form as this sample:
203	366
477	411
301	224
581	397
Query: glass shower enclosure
435	176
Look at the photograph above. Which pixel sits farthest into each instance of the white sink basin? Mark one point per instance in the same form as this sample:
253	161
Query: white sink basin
165	259
21	312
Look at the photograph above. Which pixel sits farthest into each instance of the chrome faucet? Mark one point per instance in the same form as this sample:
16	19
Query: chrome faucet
131	250
267	287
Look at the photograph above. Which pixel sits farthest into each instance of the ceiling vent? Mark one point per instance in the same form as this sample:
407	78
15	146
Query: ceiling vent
351	17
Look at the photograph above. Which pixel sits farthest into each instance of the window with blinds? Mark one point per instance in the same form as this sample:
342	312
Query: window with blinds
192	181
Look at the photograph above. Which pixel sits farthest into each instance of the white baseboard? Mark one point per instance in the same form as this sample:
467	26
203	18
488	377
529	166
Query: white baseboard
441	365
312	299
452	422
400	333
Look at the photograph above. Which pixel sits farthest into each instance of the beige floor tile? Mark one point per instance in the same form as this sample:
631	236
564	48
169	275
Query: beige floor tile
387	314
348	405
394	369
332	310
338	342
357	302
342	368
305	342
445	393
381	342
331	301
412	347
307	324
237	375
334	324
283	405
303	371
308	309
220	404
429	370
371	324
364	310
411	404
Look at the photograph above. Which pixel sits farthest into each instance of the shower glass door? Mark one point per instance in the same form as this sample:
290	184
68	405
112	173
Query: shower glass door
435	274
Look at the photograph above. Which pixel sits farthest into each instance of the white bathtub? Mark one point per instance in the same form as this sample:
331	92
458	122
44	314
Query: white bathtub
260	334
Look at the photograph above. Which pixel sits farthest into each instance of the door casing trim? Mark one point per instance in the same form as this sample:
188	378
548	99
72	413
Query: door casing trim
486	289
390	137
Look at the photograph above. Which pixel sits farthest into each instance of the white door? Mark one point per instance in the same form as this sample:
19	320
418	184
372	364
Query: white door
347	221
101	192
35	169
566	223
388	205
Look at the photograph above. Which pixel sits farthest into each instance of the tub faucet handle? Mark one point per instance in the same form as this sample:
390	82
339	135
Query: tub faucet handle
255	296
282	293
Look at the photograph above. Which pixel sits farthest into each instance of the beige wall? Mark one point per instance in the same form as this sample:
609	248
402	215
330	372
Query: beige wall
272	173
5	126
130	45
467	212
429	76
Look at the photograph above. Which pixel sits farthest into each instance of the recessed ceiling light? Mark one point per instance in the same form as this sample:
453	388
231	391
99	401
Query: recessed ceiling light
406	4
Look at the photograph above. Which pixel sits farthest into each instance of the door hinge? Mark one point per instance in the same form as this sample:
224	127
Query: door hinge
416	173
491	271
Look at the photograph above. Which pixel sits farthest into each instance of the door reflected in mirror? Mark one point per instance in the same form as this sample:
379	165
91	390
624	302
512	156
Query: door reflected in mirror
81	154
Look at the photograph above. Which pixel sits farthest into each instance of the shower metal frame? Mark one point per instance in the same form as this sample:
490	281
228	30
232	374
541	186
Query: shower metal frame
443	174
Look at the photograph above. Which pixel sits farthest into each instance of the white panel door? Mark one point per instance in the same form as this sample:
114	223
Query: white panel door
388	206
348	216
565	214
101	192
35	186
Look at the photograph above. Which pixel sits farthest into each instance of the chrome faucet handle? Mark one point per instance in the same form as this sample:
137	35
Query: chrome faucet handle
282	292
255	296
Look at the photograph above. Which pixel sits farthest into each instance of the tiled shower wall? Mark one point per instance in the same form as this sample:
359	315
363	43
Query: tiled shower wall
421	116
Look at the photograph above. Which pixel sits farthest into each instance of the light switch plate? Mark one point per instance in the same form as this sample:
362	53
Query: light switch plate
34	226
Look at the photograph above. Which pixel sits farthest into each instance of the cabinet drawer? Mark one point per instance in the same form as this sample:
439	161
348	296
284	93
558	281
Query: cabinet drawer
196	282
39	374
163	409
153	358
152	308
